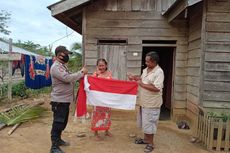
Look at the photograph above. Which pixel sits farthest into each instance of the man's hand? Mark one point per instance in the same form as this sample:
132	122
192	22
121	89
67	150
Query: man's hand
130	76
140	82
136	77
84	70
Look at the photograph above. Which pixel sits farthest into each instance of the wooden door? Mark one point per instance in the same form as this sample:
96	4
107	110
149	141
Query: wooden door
115	55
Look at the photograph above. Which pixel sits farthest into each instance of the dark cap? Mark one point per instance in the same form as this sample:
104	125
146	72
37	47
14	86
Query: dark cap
62	49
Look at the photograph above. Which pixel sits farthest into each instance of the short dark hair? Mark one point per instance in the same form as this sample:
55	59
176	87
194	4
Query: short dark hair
153	56
62	49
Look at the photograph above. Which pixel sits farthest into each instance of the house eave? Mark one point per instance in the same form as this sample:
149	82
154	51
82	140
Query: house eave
65	12
178	7
66	5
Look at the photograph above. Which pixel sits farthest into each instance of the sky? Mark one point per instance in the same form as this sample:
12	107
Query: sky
31	20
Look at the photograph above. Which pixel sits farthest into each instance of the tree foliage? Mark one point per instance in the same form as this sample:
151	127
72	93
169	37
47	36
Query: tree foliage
33	47
76	47
75	62
4	17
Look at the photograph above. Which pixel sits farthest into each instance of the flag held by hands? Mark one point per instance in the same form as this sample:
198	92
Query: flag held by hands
95	91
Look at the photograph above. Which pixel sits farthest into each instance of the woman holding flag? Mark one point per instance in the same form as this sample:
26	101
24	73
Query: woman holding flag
101	115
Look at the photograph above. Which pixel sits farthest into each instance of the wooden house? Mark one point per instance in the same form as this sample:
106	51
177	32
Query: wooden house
192	38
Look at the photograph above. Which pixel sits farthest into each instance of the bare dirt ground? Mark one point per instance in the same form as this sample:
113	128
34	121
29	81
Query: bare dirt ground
34	136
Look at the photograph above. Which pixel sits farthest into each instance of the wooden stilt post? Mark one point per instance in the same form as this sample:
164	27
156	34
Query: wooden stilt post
10	73
10	58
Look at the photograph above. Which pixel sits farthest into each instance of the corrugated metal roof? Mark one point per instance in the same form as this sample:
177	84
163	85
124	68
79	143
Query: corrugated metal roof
4	47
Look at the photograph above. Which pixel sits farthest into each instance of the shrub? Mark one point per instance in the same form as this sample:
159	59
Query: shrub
217	116
20	90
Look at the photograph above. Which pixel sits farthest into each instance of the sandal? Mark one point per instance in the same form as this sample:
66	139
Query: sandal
107	133
140	141
149	148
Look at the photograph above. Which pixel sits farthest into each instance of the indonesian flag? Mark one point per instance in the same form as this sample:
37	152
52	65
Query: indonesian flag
107	93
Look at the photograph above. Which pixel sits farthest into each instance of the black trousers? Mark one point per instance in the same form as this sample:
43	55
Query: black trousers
60	119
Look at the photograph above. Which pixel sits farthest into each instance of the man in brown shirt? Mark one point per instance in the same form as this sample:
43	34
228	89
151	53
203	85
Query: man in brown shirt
61	95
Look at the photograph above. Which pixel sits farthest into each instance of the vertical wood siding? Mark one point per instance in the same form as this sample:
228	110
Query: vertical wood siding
194	58
134	5
217	55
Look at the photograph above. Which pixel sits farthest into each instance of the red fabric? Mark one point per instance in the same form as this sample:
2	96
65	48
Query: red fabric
112	86
81	100
31	69
101	115
101	118
47	74
104	85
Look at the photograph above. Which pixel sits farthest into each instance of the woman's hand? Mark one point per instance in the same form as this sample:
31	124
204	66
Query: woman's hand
98	72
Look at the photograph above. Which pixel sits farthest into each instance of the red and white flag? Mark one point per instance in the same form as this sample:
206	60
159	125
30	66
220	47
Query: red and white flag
107	93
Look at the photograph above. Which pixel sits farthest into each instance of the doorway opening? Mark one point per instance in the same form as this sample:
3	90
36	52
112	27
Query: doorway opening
166	63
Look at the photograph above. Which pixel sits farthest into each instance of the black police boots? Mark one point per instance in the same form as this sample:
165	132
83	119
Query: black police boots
55	148
61	142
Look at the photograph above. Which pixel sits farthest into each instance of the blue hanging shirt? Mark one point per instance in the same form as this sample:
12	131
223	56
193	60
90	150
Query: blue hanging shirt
37	71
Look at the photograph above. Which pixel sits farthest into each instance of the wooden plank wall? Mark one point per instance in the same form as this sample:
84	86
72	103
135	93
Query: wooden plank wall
136	5
136	26
115	54
217	55
194	58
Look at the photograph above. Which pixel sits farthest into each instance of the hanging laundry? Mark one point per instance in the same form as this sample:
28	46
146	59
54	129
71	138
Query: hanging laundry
37	71
15	65
22	65
19	64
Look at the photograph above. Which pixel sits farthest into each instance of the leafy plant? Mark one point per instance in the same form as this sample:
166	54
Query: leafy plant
3	89
21	113
216	116
225	117
19	89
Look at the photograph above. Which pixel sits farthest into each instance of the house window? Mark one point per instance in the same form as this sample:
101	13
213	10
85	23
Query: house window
159	42
112	42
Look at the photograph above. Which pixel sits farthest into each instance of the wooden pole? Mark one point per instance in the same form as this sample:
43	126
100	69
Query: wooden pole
14	128
10	72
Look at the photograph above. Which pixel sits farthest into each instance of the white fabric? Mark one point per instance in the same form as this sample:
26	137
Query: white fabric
106	99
